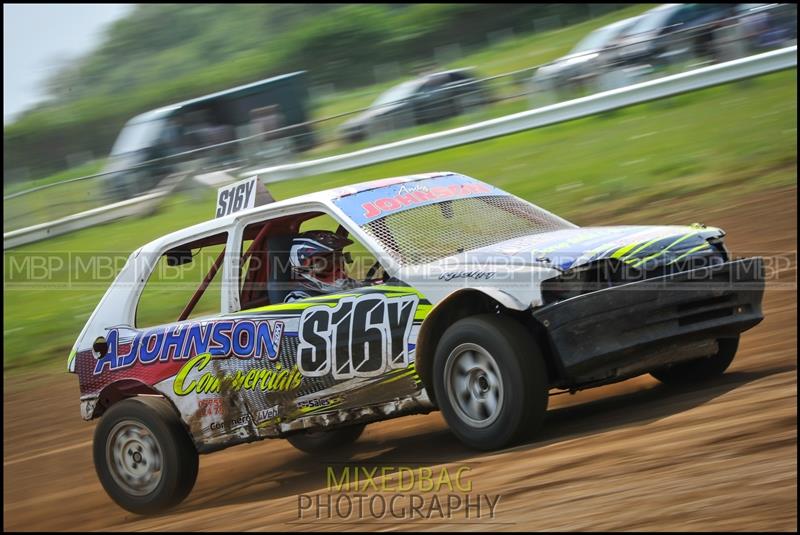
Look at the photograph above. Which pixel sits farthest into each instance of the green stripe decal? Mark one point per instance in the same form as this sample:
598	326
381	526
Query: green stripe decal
333	300
643	246
288	307
692	250
400	376
622	250
662	251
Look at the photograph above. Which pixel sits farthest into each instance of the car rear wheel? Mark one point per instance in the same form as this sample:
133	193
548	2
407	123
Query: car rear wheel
144	457
490	381
701	369
326	441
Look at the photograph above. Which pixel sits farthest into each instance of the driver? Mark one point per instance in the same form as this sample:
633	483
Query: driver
318	264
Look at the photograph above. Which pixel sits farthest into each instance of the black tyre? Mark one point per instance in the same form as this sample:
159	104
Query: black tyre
326	441
490	381
143	455
701	369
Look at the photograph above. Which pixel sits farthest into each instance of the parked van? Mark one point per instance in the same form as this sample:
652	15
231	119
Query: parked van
145	151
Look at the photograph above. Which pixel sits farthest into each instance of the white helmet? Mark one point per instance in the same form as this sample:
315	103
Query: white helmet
318	262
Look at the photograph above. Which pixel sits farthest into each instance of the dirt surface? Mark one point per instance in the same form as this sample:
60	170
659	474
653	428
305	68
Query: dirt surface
632	456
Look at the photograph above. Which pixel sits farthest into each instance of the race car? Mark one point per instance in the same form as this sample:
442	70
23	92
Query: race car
475	302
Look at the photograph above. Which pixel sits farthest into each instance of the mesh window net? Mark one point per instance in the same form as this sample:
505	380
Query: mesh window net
435	231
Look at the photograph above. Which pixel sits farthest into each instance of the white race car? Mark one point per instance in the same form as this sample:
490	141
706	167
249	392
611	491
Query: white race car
476	303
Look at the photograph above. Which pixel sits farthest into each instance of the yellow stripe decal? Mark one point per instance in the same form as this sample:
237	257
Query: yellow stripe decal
622	250
663	251
395	378
692	250
422	312
643	246
332	300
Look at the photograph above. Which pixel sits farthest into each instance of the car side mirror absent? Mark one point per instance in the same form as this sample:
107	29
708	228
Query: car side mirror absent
100	347
179	257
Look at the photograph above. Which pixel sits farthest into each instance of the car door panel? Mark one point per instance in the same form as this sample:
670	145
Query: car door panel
340	352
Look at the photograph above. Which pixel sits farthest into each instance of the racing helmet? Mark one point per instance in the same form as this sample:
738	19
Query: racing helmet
317	260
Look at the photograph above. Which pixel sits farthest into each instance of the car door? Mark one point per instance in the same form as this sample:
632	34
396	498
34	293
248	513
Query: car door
333	353
432	101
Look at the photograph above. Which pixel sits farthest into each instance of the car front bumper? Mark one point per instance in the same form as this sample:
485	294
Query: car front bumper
633	328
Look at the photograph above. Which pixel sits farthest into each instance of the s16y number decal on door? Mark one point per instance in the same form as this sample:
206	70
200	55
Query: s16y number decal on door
359	337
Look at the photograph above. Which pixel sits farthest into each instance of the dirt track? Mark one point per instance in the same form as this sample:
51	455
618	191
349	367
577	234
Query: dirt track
631	456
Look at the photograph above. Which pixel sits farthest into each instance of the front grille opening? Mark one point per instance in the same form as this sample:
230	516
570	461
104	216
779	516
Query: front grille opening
705	316
710	302
611	272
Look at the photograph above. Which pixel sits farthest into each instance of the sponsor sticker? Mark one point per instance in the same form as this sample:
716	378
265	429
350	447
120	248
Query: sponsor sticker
243	339
366	206
360	337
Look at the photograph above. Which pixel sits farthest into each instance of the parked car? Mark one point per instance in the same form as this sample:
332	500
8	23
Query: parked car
429	98
583	62
670	32
477	303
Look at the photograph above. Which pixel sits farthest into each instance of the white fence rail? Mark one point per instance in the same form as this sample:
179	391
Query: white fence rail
721	73
137	206
555	113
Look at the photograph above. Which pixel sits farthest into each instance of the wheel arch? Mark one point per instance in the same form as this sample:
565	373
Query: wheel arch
116	392
468	302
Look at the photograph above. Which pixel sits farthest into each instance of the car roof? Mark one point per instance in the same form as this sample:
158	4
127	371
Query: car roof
610	31
320	197
656	14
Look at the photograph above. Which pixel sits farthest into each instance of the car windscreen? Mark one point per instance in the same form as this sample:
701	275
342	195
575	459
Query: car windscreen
425	220
400	92
435	231
597	39
137	136
653	19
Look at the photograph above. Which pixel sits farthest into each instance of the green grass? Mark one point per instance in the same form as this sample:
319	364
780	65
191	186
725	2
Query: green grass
86	169
51	203
61	200
702	146
482	113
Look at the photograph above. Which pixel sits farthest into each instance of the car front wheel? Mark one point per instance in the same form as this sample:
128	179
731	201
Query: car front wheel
490	381
144	457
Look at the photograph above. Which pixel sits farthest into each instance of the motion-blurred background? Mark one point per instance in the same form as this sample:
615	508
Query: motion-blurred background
246	86
172	94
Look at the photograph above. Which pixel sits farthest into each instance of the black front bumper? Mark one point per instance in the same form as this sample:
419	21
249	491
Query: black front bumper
633	328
